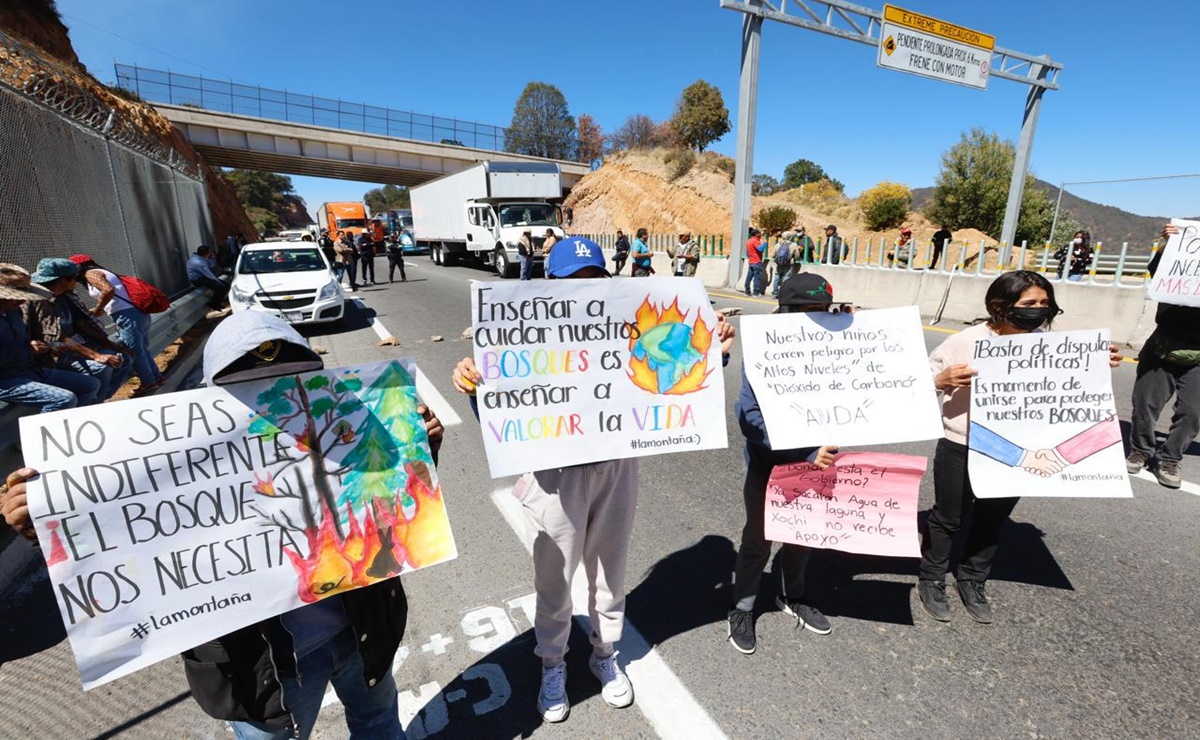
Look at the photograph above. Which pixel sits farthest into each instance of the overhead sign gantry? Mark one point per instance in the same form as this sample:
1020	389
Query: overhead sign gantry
950	45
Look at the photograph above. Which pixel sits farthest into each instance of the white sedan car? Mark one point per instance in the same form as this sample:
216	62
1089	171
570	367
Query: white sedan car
292	280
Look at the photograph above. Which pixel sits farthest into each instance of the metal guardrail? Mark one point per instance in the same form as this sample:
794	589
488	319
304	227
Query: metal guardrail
1126	269
261	102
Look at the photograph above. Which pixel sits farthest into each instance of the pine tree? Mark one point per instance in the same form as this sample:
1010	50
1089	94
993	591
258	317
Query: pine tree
700	116
542	126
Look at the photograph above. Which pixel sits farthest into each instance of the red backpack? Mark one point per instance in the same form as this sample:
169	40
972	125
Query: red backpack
144	296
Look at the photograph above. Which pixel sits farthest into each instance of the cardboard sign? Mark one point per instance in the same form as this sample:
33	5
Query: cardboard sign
1177	279
171	520
864	502
581	371
1043	419
841	379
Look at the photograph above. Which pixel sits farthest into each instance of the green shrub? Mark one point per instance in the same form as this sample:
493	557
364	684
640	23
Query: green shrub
681	162
885	206
726	165
776	219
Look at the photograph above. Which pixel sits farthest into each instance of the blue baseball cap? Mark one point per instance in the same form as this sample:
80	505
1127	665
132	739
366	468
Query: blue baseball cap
572	255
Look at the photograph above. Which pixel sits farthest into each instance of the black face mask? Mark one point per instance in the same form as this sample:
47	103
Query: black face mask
1028	319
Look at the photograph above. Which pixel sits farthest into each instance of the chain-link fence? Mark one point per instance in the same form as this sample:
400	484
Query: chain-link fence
262	102
77	175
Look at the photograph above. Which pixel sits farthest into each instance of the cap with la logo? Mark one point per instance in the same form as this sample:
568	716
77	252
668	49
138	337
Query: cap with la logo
573	254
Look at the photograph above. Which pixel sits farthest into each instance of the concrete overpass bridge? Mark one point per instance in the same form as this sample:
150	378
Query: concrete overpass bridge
234	125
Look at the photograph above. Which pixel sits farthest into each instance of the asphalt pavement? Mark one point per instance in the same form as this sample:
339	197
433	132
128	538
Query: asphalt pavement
1094	599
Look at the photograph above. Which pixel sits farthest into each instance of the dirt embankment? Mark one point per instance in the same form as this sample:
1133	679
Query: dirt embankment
639	189
37	23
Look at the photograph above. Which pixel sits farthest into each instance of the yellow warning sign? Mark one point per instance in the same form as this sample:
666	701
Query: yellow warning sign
889	45
936	27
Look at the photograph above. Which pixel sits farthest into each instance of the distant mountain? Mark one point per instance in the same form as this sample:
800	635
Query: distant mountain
1107	224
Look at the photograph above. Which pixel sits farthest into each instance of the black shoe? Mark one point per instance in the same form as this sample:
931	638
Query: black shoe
741	631
807	616
933	599
975	599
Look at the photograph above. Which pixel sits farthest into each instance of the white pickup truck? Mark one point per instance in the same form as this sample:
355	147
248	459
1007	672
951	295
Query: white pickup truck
480	212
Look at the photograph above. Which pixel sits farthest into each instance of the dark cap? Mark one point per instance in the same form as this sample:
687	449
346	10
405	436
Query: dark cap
805	289
831	227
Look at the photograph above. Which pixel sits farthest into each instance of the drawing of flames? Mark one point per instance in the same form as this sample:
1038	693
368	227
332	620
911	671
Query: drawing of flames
410	529
669	356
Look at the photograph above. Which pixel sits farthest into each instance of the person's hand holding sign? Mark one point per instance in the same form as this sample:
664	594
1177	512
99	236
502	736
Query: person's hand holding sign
1114	355
15	502
955	376
726	333
825	456
466	376
433	427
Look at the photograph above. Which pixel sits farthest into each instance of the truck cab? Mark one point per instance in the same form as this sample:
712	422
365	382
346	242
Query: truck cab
501	225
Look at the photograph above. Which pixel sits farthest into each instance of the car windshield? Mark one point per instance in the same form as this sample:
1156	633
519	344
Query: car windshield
261	261
406	222
351	223
529	214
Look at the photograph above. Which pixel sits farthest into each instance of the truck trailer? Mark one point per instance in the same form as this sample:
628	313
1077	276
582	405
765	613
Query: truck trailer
480	213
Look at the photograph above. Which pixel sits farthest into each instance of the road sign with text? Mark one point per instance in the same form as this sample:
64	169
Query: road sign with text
920	45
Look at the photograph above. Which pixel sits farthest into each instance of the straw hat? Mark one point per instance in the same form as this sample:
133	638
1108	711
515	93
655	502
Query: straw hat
16	286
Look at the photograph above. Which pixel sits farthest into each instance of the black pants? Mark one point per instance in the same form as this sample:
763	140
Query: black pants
755	549
619	261
1158	380
953	499
218	288
367	266
937	253
396	261
352	271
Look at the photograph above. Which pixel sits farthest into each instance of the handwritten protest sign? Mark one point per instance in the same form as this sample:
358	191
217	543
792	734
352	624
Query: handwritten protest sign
864	502
841	379
171	520
579	371
1043	419
1177	279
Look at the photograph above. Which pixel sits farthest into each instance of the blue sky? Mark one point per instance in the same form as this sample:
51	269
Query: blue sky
1126	107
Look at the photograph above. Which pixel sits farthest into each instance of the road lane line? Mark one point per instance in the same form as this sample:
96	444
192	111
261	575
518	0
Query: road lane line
1187	487
662	698
425	388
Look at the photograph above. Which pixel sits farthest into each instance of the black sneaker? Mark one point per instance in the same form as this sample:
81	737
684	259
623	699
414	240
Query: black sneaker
933	599
807	616
741	631
974	598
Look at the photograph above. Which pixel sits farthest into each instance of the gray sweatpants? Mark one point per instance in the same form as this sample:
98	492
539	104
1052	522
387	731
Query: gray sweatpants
583	513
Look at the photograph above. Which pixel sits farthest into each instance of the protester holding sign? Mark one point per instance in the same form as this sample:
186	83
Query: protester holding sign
1017	303
804	292
1169	365
583	512
269	679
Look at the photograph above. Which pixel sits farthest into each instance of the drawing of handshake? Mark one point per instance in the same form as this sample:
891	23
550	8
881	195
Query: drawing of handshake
1047	461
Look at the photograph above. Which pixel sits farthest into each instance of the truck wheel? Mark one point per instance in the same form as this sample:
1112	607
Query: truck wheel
504	268
433	253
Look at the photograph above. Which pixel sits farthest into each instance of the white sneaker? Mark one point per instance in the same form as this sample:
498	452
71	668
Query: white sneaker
615	686
552	699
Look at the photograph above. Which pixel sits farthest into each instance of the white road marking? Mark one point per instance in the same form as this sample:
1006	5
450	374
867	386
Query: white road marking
425	388
662	698
1187	487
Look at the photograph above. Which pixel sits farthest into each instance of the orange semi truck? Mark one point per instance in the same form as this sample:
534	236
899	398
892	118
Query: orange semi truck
351	217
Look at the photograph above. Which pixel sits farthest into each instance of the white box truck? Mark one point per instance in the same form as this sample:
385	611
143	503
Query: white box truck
480	212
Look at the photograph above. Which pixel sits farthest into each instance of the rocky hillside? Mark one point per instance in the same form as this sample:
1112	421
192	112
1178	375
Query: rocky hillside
644	188
37	23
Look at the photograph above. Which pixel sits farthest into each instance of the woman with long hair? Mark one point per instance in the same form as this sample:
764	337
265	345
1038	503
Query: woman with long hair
1017	303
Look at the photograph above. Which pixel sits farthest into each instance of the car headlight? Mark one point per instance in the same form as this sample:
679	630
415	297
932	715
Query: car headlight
329	291
240	295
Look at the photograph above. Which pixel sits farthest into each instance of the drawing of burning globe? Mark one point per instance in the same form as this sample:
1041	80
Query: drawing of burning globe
669	355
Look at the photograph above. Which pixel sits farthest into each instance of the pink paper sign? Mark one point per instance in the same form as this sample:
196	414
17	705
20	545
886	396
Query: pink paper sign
865	502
